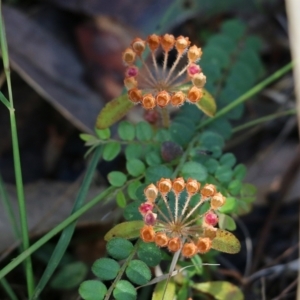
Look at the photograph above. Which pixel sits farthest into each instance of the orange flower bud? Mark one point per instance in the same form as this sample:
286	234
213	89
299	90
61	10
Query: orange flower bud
182	43
203	245
208	190
178	185
178	98
209	232
161	239
135	95
153	41
130	83
147	234
217	201
151	192
199	80
148	101
192	186
194	53
128	56
194	94
174	244
167	42
138	46
164	185
163	98
189	250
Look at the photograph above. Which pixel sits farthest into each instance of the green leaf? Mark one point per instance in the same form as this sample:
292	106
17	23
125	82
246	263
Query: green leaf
162	135
234	187
209	139
105	268
149	253
233	28
223	173
131	211
113	111
220	290
228	159
181	134
132	188
222	41
103	134
155	173
138	272
127	230
248	190
194	170
121	200
207	104
133	151
92	290
229	206
117	178
135	167
160	291
111	150
153	158
211	165
124	290
226	242
239	172
226	222
221	126
119	248
126	131
87	137
144	131
215	56
253	42
69	276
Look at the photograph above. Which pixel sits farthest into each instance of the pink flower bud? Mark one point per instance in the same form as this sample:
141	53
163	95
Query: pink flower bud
211	219
145	207
193	69
131	71
150	218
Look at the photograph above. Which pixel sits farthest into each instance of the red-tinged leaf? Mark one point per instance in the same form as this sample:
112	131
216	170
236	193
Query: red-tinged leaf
126	230
113	111
226	242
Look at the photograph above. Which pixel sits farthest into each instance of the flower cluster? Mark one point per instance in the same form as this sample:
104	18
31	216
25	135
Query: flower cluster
160	87
179	226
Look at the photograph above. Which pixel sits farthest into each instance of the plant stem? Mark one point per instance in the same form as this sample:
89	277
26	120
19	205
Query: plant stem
9	291
248	94
165	117
264	119
17	162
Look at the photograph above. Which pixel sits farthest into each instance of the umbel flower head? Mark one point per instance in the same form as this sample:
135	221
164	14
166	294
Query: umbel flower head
153	86
176	224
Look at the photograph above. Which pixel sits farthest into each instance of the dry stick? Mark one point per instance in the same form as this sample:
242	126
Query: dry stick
278	195
287	289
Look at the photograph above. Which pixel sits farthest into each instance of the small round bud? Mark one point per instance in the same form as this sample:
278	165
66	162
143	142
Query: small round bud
130	83
170	151
161	239
150	218
145	207
131	71
208	190
199	80
148	101
217	201
163	98
128	56
167	42
151	116
192	186
193	69
153	41
194	94
135	95
178	98
151	192
182	43
189	250
138	46
174	244
211	219
209	232
194	53
147	234
178	185
203	245
164	185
